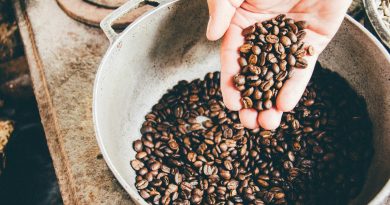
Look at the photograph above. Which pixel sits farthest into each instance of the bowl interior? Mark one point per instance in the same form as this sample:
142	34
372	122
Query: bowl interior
169	44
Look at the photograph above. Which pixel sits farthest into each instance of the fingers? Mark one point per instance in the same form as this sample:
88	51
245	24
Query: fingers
294	87
230	67
248	118
221	13
269	119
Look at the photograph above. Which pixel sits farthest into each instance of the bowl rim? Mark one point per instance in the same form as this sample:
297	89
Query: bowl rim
377	23
133	194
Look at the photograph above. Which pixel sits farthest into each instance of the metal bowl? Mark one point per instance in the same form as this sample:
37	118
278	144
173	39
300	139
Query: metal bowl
168	44
371	7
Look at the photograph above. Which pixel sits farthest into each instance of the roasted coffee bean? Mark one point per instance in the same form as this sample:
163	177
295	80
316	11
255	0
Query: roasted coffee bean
248	92
246	48
144	194
293	38
137	145
252	59
256	50
301	35
310	50
142	184
286	41
300	53
272	39
293	48
249	30
263	57
137	164
294	28
247	102
318	151
271	58
239	79
242	62
267	104
257	94
291	60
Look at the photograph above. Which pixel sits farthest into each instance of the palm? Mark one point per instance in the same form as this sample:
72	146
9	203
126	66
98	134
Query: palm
324	19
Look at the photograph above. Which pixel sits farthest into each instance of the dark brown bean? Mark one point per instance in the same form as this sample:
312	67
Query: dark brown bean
272	39
248	30
286	41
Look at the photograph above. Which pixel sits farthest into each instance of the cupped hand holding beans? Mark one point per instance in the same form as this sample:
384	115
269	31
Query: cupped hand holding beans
234	20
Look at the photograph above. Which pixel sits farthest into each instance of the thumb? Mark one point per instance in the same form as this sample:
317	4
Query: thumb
221	13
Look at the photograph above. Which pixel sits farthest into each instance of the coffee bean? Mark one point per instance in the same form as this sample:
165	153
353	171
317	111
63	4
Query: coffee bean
196	199
262	183
261	28
178	178
246	48
300	53
257	94
272	39
144	194
291	60
286	41
141	155
310	50
246	102
259	105
137	145
263	57
283	65
275	30
268	94
248	92
137	164
142	184
293	28
293	48
239	79
242	62
249	30
293	38
267	104
173	145
301	35
155	166
309	102
275	68
295	124
256	50
253	59
228	165
271	58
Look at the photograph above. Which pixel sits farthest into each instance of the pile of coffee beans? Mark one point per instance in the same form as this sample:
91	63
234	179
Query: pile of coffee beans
194	150
272	50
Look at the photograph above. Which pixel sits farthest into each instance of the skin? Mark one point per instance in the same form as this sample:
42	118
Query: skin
229	17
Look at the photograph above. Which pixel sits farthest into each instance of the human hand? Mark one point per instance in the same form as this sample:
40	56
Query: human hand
229	17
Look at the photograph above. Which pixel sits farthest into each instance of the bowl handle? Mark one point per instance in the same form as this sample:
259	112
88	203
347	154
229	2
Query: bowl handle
106	23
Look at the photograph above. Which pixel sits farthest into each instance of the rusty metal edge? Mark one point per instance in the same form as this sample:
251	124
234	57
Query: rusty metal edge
47	113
